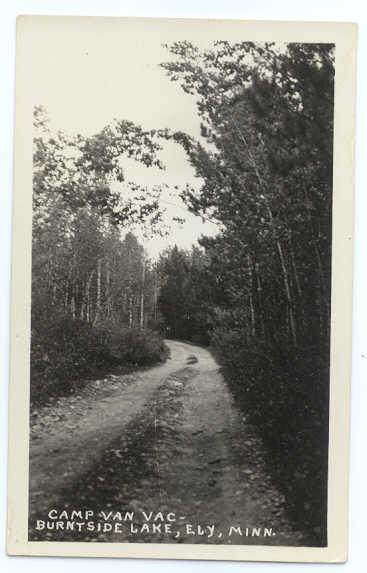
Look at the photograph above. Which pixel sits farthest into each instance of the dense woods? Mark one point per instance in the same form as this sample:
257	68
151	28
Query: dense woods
93	290
185	300
258	292
266	160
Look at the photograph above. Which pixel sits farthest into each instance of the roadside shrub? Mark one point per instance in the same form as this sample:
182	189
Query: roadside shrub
135	346
64	351
285	394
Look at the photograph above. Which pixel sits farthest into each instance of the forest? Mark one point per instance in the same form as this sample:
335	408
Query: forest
257	293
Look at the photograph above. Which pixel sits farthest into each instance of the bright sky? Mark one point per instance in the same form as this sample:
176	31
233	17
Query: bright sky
86	78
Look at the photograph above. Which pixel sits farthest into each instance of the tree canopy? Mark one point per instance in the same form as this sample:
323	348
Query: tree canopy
266	160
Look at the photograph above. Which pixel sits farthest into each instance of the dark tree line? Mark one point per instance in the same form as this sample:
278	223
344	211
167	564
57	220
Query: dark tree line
265	157
184	301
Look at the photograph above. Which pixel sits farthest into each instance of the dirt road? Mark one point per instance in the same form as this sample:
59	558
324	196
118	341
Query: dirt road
168	440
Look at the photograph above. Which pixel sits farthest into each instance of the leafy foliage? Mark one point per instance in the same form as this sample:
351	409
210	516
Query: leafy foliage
86	278
66	352
265	156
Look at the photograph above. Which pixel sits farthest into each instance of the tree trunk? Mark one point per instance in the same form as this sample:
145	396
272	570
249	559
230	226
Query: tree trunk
130	312
292	322
98	298
251	301
259	300
108	289
87	295
142	294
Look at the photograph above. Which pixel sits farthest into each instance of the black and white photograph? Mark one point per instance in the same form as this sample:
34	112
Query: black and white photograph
180	290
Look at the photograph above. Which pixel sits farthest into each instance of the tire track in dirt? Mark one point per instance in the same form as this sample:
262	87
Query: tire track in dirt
130	473
68	437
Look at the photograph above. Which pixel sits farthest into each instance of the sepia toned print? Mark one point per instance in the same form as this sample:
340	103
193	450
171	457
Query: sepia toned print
185	215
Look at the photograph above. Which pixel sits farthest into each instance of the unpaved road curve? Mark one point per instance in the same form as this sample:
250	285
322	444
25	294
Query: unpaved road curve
165	439
70	441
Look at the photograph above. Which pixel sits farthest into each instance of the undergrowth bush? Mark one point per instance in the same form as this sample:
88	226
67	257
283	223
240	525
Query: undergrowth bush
65	351
285	394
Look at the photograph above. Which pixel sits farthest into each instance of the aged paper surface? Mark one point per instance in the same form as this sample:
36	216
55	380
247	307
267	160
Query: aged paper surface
192	181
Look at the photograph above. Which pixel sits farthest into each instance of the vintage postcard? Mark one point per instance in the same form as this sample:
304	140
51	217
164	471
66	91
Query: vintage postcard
181	289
